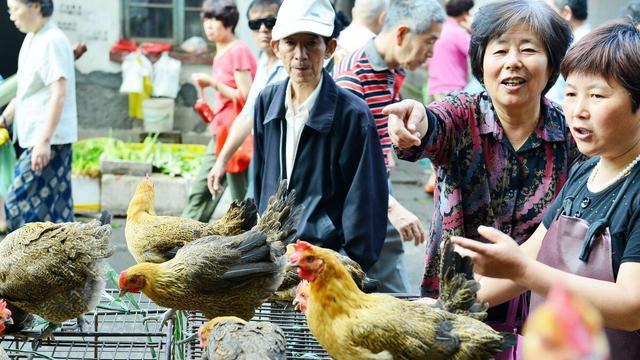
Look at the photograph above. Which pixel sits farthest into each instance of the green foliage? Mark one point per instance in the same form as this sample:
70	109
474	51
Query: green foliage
172	160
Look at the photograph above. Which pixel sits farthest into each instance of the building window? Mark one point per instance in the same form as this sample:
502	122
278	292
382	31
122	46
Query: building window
162	20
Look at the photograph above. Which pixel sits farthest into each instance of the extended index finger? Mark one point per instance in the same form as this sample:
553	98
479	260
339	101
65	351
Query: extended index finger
473	245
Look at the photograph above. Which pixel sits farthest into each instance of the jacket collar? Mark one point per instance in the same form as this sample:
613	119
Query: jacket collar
321	117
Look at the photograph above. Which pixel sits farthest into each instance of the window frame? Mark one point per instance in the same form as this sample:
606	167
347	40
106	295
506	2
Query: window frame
178	11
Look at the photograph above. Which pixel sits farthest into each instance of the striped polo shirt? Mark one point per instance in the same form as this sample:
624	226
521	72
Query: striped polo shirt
365	74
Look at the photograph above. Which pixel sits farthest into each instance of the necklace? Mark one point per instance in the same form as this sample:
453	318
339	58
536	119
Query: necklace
626	171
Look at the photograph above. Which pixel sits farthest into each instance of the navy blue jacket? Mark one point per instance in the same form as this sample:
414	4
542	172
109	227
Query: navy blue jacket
339	173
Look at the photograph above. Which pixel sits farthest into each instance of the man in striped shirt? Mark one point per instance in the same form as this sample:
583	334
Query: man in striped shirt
375	73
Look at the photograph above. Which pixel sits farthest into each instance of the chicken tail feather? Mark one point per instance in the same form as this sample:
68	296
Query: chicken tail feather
370	285
458	288
280	219
250	214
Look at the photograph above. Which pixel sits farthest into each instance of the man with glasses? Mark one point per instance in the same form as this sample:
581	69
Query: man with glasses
262	18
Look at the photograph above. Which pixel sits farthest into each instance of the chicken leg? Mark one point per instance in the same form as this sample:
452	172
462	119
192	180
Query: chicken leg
164	319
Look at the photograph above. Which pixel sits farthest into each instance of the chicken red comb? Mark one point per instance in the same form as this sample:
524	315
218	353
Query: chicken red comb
4	312
122	280
302	245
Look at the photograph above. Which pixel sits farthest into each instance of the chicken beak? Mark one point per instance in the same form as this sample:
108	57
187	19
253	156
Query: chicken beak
122	292
8	321
296	304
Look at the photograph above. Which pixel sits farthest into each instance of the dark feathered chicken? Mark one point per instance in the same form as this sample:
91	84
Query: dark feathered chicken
231	338
222	276
153	238
458	287
55	271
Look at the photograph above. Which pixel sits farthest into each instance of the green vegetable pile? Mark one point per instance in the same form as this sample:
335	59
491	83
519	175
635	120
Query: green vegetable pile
169	159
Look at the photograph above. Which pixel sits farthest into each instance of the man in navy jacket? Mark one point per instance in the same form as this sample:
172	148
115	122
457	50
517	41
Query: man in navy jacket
322	139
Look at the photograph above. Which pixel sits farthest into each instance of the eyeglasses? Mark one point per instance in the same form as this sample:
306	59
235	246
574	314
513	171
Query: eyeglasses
268	22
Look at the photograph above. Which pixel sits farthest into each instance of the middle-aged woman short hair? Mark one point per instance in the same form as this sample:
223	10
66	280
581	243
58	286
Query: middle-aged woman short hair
494	19
224	11
611	51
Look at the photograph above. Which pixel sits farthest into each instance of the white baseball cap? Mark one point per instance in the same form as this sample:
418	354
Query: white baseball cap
304	16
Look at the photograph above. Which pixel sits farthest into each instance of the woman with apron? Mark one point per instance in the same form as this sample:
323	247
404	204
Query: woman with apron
590	237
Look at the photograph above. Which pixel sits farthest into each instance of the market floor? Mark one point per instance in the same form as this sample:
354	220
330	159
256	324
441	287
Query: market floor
407	179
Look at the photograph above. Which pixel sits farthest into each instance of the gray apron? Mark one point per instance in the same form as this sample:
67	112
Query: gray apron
568	236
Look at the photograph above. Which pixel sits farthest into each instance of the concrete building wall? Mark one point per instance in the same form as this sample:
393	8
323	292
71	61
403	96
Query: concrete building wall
101	106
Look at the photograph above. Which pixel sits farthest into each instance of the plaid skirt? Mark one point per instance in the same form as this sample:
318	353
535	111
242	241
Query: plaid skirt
41	195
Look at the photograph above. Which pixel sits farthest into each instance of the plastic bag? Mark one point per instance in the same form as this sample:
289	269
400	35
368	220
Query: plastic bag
203	109
166	76
7	166
194	45
135	67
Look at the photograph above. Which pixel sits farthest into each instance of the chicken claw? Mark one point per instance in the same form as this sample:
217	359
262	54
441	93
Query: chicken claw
46	333
81	321
188	339
164	319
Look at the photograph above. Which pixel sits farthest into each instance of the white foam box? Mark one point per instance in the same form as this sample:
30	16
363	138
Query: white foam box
172	193
85	191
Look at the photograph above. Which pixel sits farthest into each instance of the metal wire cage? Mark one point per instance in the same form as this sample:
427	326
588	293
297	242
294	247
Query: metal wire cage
116	331
301	344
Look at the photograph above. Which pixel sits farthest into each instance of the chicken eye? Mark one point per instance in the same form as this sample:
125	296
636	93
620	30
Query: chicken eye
309	258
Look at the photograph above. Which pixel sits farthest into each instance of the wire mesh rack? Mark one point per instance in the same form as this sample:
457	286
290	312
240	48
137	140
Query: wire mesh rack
116	331
301	344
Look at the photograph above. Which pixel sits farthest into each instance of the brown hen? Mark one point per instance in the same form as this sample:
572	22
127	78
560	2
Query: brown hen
55	271
222	276
287	290
350	324
153	238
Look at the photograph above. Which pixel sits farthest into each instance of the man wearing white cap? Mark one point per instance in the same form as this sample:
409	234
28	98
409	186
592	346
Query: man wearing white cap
322	139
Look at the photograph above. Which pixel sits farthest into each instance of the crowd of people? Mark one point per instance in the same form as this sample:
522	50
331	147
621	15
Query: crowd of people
535	173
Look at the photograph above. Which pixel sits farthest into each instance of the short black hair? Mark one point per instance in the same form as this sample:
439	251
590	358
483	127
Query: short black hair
611	51
263	3
579	8
458	7
340	22
224	11
494	19
46	6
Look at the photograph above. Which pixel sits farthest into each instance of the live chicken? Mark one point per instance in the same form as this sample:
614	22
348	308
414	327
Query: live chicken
565	327
287	290
231	338
350	324
153	238
222	276
55	271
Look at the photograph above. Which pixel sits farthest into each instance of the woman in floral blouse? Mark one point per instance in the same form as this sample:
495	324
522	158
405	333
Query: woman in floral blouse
501	156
